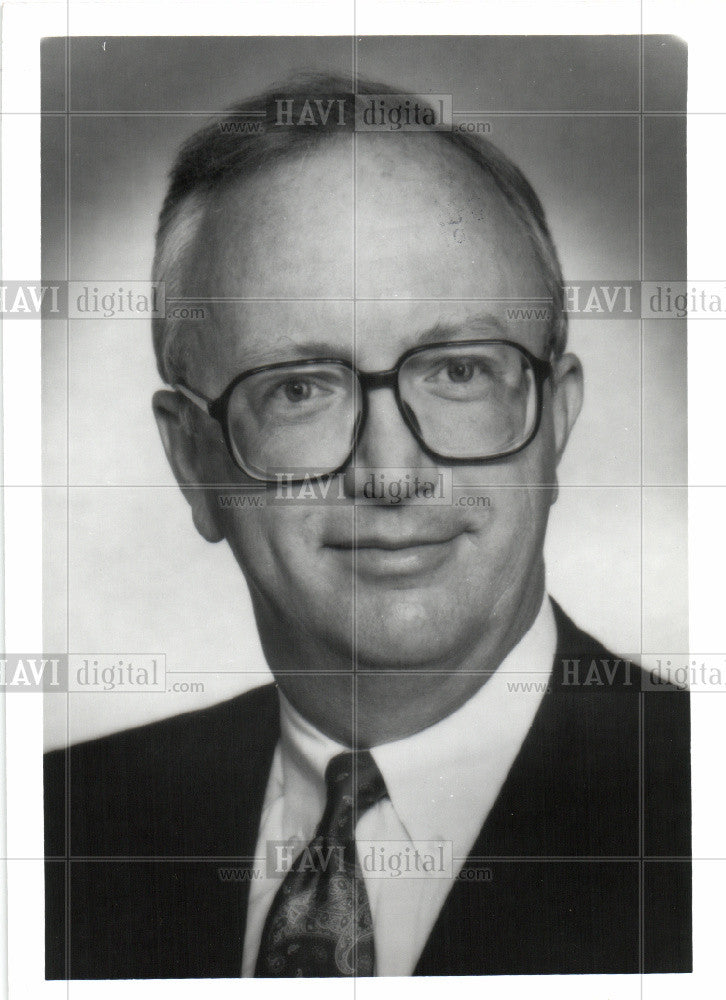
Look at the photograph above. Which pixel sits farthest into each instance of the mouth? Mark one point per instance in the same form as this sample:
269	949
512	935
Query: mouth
382	556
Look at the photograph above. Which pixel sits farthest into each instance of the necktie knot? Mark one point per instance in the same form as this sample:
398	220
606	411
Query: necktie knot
354	785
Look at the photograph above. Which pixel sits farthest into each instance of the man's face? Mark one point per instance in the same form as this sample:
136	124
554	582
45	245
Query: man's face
362	260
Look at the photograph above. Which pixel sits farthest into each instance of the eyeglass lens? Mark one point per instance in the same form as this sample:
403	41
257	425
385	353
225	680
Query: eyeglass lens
466	402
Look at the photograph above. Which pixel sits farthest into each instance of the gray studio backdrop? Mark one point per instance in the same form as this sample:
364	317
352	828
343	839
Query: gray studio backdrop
124	571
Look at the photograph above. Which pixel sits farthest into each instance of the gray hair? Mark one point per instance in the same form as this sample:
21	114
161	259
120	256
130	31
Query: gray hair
221	154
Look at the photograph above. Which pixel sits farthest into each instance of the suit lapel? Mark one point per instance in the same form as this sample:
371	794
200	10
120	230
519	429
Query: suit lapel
477	915
550	806
242	791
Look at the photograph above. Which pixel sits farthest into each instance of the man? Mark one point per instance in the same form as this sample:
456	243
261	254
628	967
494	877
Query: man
358	332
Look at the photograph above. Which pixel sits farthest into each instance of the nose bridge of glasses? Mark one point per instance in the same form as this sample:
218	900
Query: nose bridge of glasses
388	380
378	380
375	437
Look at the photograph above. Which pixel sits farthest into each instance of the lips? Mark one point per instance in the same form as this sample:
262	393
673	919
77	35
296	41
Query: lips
392	544
382	557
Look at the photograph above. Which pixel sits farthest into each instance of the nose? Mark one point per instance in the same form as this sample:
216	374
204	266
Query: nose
386	449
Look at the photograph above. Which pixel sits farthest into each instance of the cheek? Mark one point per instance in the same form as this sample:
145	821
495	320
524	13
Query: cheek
531	503
251	532
510	532
518	489
273	545
517	530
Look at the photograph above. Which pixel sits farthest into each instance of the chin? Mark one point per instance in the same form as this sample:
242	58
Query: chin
413	652
412	634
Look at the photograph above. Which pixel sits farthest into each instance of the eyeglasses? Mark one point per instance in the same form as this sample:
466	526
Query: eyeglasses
464	401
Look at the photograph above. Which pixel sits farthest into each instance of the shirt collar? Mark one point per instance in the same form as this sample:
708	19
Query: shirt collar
443	780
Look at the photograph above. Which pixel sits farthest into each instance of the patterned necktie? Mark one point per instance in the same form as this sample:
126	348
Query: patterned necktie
320	922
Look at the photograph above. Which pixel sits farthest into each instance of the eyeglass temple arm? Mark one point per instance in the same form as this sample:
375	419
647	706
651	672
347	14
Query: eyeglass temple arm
201	401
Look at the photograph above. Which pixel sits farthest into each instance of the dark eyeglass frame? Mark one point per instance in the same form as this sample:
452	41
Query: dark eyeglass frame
218	409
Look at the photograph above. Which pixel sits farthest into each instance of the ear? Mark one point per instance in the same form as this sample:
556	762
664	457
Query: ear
567	395
186	455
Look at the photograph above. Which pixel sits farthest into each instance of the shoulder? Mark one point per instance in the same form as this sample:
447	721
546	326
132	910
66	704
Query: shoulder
625	723
572	641
583	661
238	721
132	781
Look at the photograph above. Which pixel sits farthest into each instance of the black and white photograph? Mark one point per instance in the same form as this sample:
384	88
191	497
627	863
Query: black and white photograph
365	476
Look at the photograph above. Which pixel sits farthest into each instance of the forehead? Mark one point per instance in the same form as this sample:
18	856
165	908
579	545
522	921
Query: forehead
368	242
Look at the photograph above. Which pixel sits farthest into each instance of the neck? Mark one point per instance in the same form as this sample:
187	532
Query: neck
372	707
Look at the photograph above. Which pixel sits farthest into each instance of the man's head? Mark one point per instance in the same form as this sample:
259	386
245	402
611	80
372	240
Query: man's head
361	247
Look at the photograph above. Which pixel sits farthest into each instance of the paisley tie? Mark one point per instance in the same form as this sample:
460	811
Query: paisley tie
320	921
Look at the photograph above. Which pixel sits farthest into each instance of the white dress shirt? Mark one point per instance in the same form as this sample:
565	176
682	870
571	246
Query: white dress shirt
441	782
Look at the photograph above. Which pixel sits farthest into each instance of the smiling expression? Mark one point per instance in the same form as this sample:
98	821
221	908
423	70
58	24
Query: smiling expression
363	263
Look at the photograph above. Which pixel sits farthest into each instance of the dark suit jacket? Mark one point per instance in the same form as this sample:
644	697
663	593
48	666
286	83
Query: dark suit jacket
587	844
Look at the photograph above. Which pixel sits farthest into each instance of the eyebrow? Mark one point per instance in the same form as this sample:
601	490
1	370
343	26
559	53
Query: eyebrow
310	350
486	324
481	323
322	349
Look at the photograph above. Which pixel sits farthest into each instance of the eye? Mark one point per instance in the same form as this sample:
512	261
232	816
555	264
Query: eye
300	391
460	370
458	377
297	390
